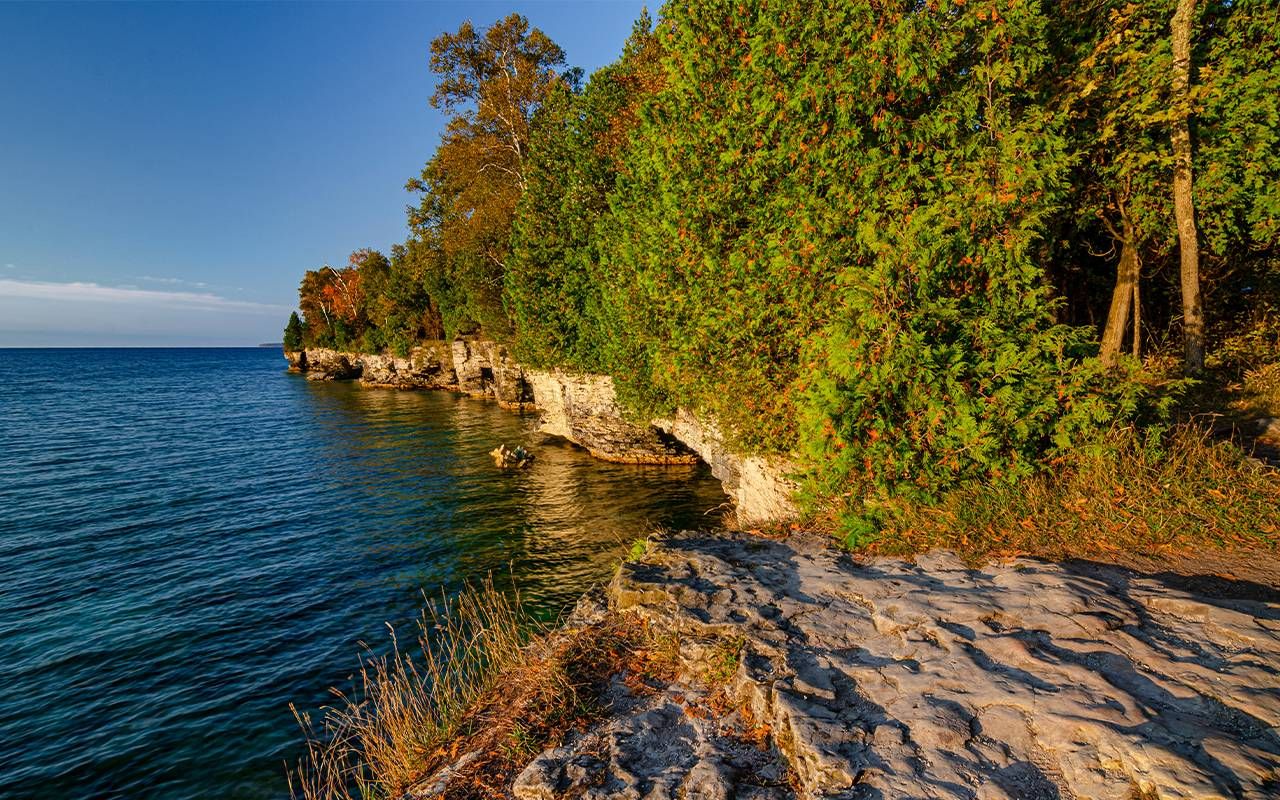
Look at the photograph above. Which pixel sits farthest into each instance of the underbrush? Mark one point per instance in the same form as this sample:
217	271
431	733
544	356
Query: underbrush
1168	493
483	683
1257	393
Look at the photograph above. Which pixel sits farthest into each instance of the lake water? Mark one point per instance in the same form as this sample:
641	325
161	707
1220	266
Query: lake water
193	539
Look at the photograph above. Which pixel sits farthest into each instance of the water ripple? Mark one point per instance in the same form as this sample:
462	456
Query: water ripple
193	539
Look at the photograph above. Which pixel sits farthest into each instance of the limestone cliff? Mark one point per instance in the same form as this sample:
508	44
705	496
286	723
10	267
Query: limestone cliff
761	487
322	364
486	369
580	408
429	366
584	409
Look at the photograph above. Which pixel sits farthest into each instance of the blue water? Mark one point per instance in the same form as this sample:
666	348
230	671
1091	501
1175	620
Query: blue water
193	539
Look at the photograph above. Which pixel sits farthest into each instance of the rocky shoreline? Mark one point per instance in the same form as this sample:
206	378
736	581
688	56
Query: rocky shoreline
805	673
580	408
886	679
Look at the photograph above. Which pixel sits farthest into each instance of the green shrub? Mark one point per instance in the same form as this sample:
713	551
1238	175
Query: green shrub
553	286
843	256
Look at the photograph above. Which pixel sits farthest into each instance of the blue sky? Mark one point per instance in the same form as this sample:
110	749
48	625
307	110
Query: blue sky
167	171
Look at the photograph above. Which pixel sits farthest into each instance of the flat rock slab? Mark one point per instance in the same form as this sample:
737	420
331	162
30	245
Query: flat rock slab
889	679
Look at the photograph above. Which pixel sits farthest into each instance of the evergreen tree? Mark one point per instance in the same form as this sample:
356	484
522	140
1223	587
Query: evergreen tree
552	283
293	333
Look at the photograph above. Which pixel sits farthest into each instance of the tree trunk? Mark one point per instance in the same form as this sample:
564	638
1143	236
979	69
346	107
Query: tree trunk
1183	208
1137	311
1122	296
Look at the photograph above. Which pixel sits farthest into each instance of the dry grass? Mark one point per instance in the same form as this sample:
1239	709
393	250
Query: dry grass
482	684
406	706
1180	494
561	687
1258	393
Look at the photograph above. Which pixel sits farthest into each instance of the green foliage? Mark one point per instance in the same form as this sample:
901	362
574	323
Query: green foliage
293	332
709	280
940	362
842	254
548	285
876	238
553	287
1238	125
1117	97
639	548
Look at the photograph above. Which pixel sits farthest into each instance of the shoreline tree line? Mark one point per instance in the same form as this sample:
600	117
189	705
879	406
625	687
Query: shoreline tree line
915	245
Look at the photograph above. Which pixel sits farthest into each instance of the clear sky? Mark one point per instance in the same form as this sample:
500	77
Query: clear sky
167	171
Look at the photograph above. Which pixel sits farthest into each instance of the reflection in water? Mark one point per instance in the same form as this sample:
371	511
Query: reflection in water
580	516
552	528
194	540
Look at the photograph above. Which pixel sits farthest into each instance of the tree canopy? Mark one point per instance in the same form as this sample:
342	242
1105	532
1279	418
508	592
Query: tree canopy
914	245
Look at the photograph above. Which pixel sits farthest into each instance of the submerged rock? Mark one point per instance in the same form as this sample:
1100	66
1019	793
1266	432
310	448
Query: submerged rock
516	456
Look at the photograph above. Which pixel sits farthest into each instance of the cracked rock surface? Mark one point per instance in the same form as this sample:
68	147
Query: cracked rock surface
887	679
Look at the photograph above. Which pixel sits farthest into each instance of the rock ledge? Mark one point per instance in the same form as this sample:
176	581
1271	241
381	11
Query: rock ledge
932	680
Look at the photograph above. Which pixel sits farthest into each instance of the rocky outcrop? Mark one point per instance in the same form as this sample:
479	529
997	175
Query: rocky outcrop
486	369
886	679
584	409
479	368
428	366
760	486
654	748
322	364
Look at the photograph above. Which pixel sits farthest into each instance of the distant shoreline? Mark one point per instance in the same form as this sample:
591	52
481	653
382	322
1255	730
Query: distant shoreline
138	346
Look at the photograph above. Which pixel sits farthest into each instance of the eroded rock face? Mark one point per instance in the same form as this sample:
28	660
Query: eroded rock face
321	364
584	409
482	369
428	366
760	487
486	369
580	408
1022	680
